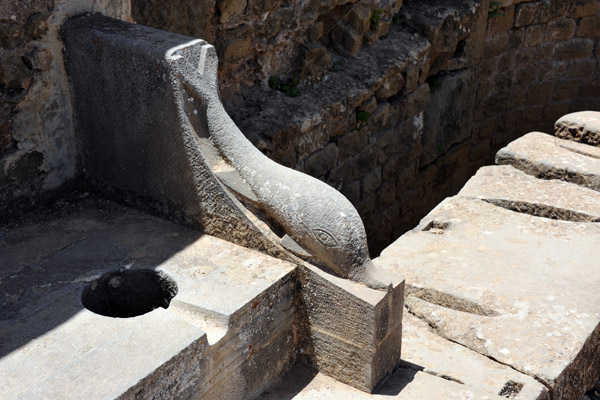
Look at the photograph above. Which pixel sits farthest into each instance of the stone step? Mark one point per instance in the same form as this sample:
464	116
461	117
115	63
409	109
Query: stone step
583	127
548	157
516	288
515	190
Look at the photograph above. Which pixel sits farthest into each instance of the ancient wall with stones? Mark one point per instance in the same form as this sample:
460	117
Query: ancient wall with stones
400	123
395	103
37	144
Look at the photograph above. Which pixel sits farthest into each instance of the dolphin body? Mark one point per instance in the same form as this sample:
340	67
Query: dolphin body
317	217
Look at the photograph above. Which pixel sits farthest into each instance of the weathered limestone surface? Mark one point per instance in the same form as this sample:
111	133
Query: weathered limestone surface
515	190
232	320
354	333
547	157
505	269
583	127
405	384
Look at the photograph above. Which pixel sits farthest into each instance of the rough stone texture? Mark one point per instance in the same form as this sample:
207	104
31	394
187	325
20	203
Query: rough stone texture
515	190
516	288
519	84
52	347
37	143
354	333
582	127
547	157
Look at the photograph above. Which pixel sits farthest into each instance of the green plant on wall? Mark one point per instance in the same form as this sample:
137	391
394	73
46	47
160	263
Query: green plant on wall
397	19
289	88
375	18
336	66
362	117
495	9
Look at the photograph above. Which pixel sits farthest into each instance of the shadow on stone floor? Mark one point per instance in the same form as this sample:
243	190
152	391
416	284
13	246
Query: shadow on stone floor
49	255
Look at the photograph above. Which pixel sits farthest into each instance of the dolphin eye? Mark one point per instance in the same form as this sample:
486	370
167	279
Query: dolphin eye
325	238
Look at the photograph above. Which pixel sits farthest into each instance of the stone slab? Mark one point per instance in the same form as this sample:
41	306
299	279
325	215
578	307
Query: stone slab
516	288
583	127
424	350
548	157
302	383
511	188
52	347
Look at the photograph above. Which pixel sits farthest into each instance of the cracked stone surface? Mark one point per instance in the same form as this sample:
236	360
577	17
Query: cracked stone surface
547	157
537	274
583	127
514	189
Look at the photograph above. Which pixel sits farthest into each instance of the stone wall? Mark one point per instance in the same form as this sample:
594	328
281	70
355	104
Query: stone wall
37	144
402	123
394	103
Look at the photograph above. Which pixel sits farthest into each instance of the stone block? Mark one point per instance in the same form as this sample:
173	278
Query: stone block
321	162
566	89
386	195
527	14
316	62
560	30
314	31
548	157
583	8
365	160
351	191
581	69
574	48
359	19
370	182
534	35
193	345
237	45
355	332
495	45
552	10
582	127
352	143
526	75
539	93
501	23
346	38
230	9
516	37
391	86
589	27
555	110
473	293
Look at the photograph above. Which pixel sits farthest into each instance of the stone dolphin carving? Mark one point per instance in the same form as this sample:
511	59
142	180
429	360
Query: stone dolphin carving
316	216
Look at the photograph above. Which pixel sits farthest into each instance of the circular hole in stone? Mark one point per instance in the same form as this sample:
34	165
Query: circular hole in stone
129	293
